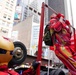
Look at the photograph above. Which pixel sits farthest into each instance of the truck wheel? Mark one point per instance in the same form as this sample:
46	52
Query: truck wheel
19	53
59	72
52	72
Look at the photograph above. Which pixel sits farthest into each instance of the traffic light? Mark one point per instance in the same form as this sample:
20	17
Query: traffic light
39	13
32	9
35	11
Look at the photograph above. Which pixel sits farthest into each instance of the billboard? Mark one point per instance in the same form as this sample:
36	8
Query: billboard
18	11
34	38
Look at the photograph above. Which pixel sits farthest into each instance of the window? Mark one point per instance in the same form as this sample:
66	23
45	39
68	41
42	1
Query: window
6	8
4	16
10	10
4	30
0	13
12	1
7	4
0	7
11	5
9	17
0	22
3	22
10	25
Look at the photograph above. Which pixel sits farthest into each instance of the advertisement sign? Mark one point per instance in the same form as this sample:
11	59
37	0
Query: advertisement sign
34	38
17	16
18	12
18	9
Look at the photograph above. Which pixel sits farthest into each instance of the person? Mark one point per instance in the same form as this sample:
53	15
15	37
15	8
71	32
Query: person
60	31
61	27
6	49
6	54
32	69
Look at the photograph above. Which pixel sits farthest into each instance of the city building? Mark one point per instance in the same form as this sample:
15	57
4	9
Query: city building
57	5
7	10
26	12
70	11
27	32
36	5
66	7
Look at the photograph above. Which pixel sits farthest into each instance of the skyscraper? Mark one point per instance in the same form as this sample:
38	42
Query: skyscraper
57	5
7	10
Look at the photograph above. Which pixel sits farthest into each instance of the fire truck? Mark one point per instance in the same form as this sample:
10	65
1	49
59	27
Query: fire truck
64	47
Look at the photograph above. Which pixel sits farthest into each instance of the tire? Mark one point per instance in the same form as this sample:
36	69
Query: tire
19	54
52	72
59	72
45	74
